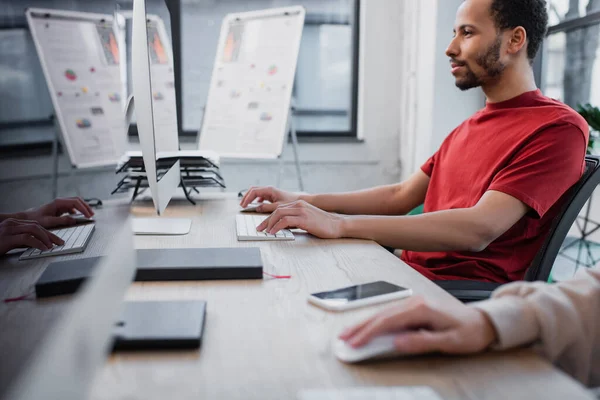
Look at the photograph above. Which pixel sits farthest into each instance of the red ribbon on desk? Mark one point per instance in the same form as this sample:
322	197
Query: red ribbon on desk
278	276
14	299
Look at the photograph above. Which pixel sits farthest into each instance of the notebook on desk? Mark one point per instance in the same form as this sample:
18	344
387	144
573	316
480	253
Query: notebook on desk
64	277
146	325
199	264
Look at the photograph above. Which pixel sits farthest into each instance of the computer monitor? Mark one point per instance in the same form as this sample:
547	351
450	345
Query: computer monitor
164	186
162	189
66	360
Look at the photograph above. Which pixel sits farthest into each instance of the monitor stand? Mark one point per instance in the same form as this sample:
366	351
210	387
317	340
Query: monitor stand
161	226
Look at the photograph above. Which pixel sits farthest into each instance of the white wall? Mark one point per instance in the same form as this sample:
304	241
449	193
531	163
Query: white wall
417	84
451	106
431	105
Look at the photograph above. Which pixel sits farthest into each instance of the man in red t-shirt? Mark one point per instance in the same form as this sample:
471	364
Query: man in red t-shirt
497	181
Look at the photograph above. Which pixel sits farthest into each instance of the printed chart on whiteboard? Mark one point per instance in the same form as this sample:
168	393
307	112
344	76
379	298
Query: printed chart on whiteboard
251	86
81	60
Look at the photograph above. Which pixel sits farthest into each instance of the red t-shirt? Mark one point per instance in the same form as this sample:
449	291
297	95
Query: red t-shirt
529	147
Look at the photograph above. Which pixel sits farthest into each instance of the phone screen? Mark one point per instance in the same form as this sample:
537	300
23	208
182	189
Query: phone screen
358	292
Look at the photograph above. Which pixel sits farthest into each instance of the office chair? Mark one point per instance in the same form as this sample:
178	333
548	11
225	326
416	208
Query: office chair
541	265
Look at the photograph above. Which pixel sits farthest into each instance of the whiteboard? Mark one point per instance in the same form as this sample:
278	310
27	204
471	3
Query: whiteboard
248	103
80	56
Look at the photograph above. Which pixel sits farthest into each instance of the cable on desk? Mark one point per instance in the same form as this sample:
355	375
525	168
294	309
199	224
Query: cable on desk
277	276
20	298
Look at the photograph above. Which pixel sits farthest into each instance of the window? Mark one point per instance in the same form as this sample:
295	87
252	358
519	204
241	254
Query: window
563	10
325	91
21	79
572	52
326	84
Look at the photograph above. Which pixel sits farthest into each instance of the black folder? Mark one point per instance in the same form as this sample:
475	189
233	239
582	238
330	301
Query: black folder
64	277
199	264
148	325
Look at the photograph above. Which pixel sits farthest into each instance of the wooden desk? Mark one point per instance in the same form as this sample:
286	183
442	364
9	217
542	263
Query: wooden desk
262	340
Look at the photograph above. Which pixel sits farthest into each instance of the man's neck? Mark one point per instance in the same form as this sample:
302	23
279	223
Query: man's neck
515	81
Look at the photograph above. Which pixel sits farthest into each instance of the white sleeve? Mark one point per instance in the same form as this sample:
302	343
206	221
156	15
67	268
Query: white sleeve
561	320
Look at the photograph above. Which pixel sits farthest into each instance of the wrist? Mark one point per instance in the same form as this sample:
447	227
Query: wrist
23	215
345	224
307	198
19	215
489	332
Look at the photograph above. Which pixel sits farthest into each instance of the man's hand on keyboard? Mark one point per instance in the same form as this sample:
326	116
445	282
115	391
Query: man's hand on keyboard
269	193
300	214
51	215
15	233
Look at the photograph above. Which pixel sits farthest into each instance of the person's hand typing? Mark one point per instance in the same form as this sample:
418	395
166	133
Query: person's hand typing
16	233
51	215
268	193
423	328
302	215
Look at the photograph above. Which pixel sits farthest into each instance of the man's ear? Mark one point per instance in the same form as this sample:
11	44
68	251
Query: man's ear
517	40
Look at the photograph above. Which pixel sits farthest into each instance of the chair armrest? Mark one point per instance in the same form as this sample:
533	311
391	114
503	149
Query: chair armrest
467	291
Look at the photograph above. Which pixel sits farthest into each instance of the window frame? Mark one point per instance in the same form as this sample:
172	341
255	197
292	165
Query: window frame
21	24
174	7
564	26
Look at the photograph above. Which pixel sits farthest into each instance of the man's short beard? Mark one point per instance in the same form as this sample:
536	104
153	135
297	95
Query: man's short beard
490	62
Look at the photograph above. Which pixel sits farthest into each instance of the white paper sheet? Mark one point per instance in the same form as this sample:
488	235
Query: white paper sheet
80	57
249	97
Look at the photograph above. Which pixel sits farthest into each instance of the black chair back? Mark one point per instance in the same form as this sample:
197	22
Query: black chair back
579	194
541	266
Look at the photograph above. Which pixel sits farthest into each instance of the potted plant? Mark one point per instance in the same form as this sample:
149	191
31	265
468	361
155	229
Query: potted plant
592	116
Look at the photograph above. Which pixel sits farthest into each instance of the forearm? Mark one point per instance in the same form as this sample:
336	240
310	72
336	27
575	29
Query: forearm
448	230
19	215
561	319
381	200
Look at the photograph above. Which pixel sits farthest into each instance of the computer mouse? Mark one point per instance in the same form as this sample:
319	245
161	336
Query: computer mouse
80	218
252	207
379	347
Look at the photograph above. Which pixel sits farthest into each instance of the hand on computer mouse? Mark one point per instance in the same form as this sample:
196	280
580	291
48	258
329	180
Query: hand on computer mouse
51	215
269	193
423	328
16	233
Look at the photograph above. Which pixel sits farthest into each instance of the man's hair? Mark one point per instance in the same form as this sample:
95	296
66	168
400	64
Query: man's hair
530	14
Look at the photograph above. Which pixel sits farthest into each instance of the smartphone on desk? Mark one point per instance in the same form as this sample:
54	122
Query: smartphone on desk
359	296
